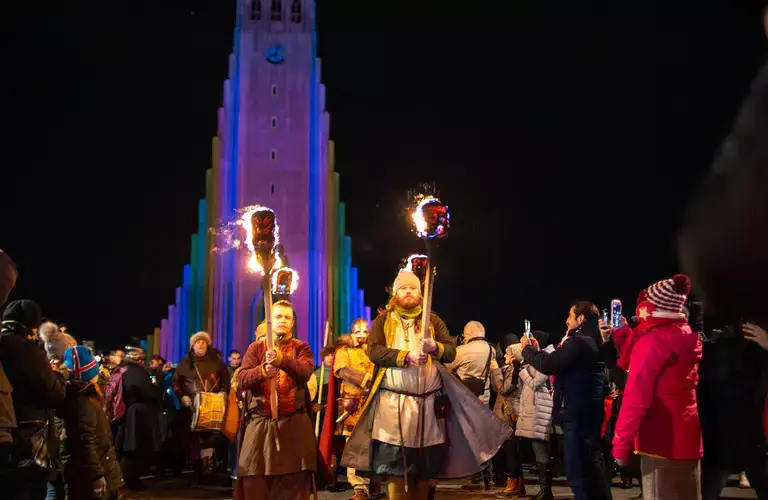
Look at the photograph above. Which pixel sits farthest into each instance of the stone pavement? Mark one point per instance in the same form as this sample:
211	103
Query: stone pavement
179	489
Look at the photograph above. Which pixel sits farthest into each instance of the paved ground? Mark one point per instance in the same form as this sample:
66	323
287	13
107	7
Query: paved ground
178	489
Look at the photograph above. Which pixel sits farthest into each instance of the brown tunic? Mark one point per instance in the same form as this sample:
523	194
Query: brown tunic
298	448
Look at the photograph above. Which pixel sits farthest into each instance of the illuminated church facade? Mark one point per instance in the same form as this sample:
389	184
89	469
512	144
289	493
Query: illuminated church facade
272	149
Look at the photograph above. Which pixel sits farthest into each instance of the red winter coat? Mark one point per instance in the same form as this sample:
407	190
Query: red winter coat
659	414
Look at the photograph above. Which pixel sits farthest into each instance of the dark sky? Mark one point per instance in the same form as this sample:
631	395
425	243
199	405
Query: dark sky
565	137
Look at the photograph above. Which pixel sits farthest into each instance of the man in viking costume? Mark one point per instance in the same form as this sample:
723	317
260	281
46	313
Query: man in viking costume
353	366
416	406
268	470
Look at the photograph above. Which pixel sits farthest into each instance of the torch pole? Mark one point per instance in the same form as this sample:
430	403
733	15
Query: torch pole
428	286
322	379
267	292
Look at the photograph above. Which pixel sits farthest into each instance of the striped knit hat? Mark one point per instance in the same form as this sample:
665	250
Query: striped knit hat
668	295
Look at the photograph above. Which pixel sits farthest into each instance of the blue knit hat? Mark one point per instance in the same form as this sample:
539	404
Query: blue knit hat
81	363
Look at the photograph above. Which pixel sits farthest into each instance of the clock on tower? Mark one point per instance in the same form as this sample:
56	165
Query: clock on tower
275	55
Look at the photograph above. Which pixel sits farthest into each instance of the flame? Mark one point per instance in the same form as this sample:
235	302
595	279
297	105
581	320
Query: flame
277	273
418	215
409	265
253	264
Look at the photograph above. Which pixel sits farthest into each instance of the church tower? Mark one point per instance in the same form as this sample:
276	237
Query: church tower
277	148
272	149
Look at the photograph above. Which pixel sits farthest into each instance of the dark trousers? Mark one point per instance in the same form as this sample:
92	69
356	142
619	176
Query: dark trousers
20	489
714	477
584	466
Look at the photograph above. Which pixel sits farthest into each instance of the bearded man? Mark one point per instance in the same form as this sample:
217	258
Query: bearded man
266	470
353	366
416	406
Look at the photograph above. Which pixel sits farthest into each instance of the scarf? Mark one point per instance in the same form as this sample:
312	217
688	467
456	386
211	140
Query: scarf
405	313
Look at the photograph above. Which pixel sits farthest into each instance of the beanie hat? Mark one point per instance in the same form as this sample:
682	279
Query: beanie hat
81	363
24	312
406	278
199	336
474	329
668	295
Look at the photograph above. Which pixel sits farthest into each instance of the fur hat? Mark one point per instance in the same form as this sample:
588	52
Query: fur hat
56	342
81	363
199	336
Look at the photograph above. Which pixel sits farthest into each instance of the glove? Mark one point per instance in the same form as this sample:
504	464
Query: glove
186	401
100	488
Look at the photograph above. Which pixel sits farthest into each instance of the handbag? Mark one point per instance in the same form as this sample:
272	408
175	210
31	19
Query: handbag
32	441
477	384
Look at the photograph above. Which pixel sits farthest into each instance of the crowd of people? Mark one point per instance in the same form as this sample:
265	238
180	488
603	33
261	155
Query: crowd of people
641	398
77	425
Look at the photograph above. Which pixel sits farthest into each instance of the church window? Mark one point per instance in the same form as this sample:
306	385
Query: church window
296	11
255	10
276	11
274	122
274	90
272	155
272	188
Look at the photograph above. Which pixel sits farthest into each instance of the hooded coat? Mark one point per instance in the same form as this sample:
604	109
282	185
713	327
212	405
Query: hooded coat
659	414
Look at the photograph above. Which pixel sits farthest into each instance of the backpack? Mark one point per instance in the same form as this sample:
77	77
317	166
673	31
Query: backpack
114	406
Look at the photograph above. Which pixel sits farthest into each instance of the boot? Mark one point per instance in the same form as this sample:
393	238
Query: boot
477	483
545	481
515	488
359	495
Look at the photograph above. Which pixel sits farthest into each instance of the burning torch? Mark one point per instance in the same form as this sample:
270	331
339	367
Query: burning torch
263	238
431	220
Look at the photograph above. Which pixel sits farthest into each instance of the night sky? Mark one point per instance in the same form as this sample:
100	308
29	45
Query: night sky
565	137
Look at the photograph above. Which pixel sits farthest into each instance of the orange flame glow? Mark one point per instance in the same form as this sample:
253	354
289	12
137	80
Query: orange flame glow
281	276
253	264
418	216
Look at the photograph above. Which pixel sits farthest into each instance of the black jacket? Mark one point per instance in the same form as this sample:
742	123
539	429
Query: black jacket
579	369
37	392
89	443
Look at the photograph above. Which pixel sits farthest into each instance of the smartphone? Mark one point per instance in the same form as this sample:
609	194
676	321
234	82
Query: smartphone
153	379
527	328
606	317
616	313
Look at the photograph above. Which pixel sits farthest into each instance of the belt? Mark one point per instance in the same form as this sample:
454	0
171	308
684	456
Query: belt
404	393
256	412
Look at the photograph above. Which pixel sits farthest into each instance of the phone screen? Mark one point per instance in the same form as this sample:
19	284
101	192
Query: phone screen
616	313
606	316
527	328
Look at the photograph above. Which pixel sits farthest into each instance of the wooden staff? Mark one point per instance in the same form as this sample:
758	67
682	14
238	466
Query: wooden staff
266	286
428	286
322	378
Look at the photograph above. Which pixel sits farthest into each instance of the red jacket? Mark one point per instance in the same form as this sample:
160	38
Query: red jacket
659	414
